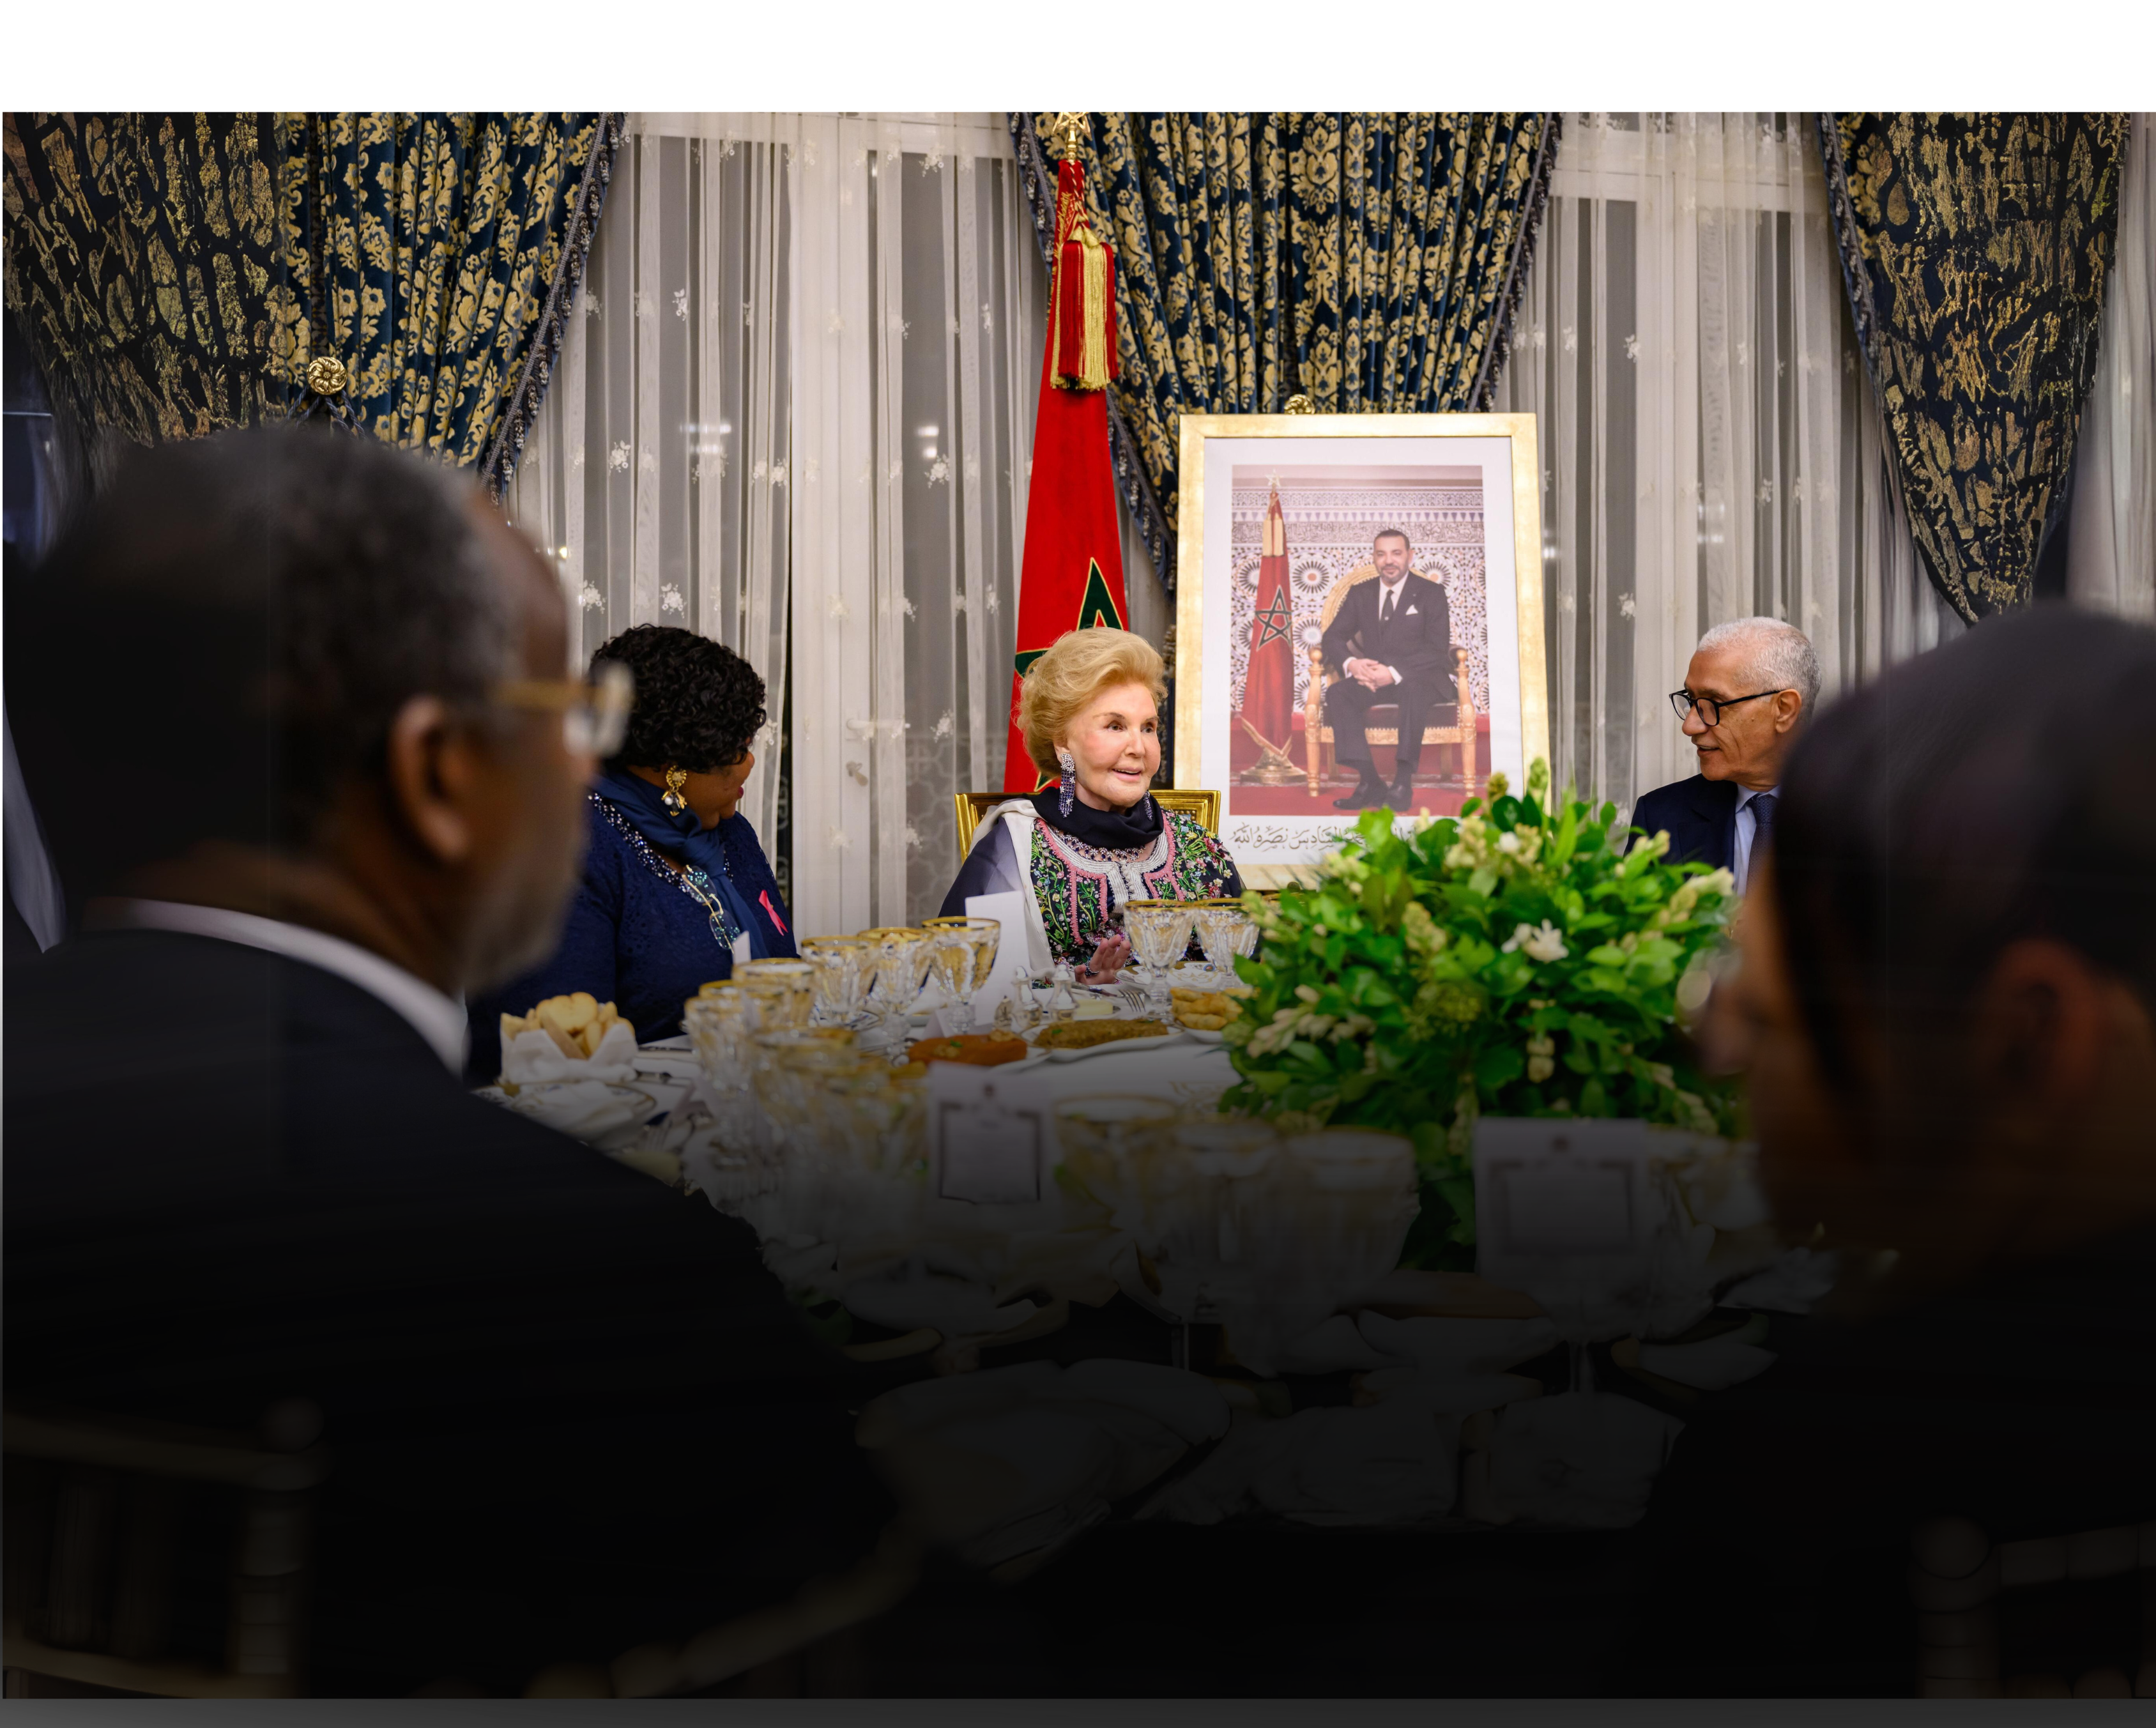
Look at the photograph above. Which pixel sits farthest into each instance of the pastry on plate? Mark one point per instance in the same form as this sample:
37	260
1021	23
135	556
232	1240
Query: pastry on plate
1084	1034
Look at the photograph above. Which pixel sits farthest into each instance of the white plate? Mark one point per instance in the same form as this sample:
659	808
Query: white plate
1202	1034
1120	1044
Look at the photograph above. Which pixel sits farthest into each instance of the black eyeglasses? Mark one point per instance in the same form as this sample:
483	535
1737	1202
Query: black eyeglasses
1710	707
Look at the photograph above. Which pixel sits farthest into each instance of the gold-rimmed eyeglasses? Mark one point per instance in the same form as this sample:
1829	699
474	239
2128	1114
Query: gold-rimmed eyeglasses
1710	707
594	713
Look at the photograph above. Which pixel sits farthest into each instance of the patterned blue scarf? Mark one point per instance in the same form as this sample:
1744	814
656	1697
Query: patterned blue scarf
684	836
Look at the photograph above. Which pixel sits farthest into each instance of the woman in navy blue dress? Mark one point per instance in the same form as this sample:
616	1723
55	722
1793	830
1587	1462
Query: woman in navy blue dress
676	889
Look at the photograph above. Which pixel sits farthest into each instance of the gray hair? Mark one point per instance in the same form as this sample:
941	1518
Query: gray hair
1782	657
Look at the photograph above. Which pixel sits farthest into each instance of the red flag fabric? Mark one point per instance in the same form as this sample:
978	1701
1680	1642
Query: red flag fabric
1268	689
1071	577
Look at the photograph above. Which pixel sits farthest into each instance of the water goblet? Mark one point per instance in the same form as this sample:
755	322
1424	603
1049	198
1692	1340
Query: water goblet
1159	932
966	955
901	963
843	967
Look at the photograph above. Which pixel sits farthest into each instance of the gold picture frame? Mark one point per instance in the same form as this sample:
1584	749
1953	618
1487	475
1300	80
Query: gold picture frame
1502	450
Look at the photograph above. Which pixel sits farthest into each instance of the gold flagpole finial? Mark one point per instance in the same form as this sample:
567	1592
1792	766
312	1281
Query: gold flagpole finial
1070	128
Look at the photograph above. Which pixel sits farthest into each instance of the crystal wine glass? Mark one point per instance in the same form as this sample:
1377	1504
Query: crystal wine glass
843	966
967	953
1159	932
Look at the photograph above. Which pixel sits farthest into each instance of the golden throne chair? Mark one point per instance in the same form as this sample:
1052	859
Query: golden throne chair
1317	736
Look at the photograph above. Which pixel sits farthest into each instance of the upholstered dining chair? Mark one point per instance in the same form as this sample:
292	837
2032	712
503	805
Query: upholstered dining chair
1382	724
1957	1578
102	1517
973	806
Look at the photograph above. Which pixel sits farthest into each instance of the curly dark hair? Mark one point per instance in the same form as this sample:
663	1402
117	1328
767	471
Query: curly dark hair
699	705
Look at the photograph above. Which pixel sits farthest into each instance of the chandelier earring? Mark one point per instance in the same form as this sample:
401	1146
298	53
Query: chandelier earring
671	800
1069	792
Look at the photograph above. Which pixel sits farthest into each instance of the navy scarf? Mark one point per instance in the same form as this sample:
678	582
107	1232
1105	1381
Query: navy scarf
685	837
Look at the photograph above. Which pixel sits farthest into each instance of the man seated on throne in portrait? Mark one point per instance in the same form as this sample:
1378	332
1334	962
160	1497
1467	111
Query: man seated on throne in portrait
1392	640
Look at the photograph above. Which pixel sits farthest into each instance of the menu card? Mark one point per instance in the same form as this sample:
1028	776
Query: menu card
991	1138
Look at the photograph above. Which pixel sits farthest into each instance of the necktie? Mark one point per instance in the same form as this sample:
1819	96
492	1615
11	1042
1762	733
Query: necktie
1385	612
1762	819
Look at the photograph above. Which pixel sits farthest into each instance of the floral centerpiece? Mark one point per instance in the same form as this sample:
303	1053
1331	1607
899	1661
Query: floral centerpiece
1511	961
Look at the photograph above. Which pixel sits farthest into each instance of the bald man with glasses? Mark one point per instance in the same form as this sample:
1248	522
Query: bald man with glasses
1750	686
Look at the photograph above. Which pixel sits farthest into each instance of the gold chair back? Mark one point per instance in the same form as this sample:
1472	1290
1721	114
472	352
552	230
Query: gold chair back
973	806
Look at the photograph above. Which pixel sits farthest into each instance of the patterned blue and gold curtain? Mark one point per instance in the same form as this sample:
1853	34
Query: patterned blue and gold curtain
1975	249
1367	261
179	272
435	258
142	257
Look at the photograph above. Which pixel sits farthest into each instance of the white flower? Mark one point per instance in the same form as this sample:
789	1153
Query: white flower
835	322
671	600
778	474
681	304
811	470
1632	347
947	723
837	608
939	471
897	470
590	598
617	458
908	605
911	836
972	469
1571	340
1544	944
576	457
992	602
647	461
838	839
932	162
1509	842
1626	606
590	305
987	318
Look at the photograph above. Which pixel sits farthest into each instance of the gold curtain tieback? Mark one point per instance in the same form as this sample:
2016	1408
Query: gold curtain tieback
327	375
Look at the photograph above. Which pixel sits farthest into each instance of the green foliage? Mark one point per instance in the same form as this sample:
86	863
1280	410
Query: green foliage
1511	960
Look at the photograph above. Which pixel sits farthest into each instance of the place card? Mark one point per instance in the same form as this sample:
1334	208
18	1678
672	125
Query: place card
991	1138
1552	1193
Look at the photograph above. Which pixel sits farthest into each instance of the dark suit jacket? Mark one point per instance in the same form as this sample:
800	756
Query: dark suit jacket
1701	816
571	1410
1417	643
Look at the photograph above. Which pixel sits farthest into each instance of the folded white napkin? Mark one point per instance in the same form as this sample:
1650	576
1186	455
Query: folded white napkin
594	1111
1579	1461
532	1056
1791	1285
1011	1461
1375	1465
1713	1363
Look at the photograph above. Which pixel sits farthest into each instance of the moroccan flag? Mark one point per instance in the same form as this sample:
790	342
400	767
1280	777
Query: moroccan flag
1268	690
1072	575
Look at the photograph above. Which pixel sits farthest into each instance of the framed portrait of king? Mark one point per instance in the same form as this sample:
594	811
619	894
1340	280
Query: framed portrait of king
1358	621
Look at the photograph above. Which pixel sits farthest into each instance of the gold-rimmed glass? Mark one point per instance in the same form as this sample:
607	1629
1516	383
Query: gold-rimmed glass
964	955
844	965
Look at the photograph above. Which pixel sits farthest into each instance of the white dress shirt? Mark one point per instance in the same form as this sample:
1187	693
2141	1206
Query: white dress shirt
436	1018
1747	828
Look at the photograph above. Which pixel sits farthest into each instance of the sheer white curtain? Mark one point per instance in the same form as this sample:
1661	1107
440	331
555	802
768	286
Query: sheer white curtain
798	416
657	474
2111	544
1708	449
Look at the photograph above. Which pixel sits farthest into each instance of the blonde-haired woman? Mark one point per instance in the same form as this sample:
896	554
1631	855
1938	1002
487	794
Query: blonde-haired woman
1090	711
